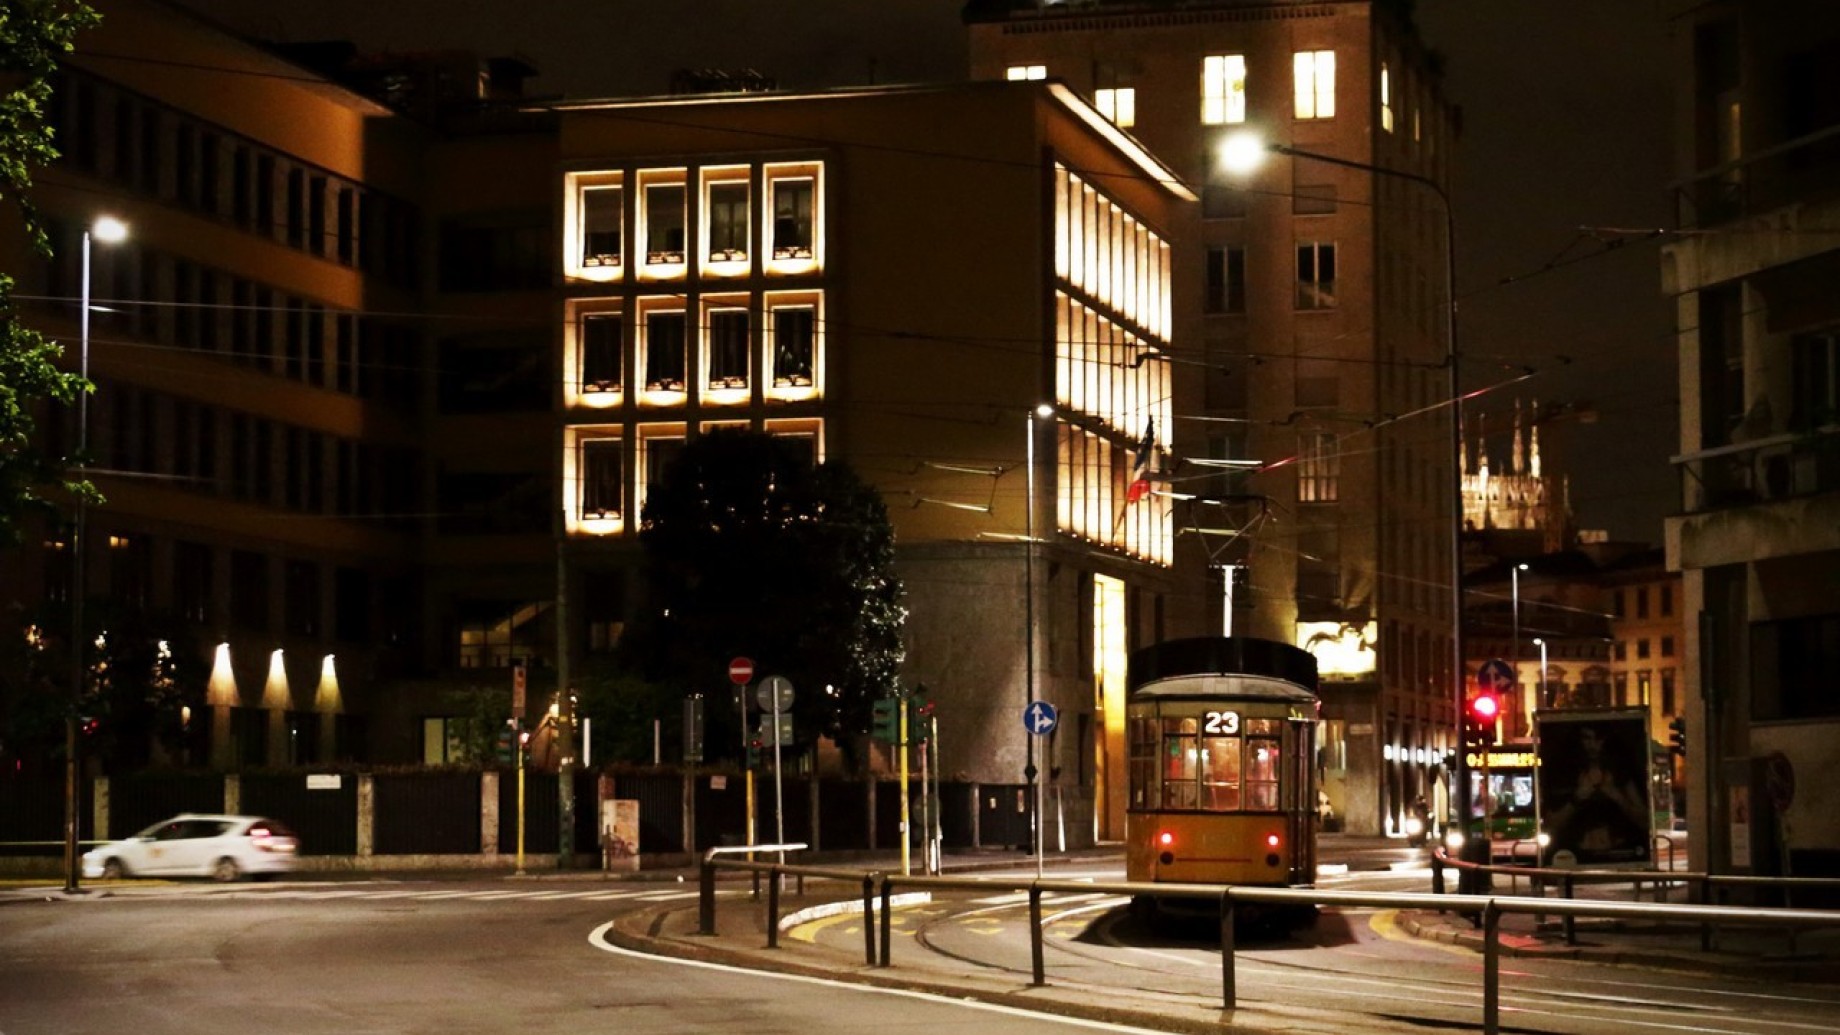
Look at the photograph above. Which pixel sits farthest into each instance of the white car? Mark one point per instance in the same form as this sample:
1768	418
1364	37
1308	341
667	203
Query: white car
196	845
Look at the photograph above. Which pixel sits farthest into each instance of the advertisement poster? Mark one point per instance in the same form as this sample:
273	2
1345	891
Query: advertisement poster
1594	787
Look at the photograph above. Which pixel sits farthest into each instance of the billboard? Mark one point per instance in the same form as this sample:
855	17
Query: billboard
1594	787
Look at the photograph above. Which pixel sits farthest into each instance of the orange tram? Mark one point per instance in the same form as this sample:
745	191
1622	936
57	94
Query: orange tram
1222	748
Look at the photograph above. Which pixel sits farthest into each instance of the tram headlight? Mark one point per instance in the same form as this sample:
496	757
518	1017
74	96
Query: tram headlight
1543	839
1414	826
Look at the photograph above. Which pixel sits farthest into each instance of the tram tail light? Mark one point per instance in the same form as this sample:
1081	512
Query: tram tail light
1271	840
1165	839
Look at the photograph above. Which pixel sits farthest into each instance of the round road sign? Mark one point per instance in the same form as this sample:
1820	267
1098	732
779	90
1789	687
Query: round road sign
774	694
740	671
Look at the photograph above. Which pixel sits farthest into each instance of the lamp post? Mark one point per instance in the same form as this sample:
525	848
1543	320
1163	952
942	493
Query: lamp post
1514	659
108	230
1240	152
1042	411
1540	642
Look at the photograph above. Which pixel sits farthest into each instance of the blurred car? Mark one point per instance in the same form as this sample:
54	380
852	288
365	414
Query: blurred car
196	845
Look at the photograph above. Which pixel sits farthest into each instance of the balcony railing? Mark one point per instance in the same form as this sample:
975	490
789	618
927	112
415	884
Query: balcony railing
1780	467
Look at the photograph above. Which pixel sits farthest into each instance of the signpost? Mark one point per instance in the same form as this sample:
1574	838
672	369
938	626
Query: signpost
740	670
775	698
1039	719
517	744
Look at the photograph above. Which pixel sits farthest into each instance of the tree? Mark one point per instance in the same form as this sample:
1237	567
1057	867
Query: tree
34	35
752	551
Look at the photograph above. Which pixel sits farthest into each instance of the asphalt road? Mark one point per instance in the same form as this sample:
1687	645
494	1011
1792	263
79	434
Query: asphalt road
350	959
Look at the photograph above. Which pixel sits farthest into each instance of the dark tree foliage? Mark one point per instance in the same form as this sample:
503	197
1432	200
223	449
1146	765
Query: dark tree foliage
34	37
752	552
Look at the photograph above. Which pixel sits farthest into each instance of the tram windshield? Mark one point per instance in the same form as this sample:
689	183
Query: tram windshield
1207	764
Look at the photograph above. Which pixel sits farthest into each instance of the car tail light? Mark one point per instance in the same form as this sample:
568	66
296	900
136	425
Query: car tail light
266	840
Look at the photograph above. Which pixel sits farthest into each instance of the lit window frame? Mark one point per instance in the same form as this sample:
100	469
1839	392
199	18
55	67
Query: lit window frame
1117	103
576	187
773	302
725	263
1223	89
642	351
799	427
649	438
647	181
1025	73
576	441
1312	294
783	260
1386	97
575	388
1313	82
726	394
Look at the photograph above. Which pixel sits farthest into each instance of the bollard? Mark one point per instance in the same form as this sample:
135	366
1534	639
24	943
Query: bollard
1229	991
1571	922
869	917
887	919
1437	874
706	900
773	909
1491	969
1039	972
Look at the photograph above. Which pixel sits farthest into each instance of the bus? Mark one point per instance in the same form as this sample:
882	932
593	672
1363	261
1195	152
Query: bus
1509	807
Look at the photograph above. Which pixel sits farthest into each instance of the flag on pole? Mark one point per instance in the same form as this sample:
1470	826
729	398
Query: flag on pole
1140	471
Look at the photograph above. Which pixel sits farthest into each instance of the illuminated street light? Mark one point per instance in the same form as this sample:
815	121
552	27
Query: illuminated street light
1540	642
1042	411
108	230
1242	152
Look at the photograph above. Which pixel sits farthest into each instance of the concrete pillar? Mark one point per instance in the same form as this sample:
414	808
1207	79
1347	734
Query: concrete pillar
223	746
277	737
328	737
367	814
99	810
233	793
812	784
488	812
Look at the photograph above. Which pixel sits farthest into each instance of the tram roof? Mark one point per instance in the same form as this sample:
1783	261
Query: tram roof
1242	657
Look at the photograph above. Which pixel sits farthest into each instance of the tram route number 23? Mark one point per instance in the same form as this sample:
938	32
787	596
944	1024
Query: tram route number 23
1220	724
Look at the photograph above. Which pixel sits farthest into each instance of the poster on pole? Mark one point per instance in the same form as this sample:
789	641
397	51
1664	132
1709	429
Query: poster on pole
1594	787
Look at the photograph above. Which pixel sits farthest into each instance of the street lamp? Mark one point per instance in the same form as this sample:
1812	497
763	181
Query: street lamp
1240	153
1540	642
1043	411
108	230
1514	659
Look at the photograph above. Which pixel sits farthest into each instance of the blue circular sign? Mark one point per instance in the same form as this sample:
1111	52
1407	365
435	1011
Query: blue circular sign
1040	718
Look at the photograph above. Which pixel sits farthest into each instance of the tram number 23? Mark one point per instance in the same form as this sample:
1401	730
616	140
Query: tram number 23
1221	724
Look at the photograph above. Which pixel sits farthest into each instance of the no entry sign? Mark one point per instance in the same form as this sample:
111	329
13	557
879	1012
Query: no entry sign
740	671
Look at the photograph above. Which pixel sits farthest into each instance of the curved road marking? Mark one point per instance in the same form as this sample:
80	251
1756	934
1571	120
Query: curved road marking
598	939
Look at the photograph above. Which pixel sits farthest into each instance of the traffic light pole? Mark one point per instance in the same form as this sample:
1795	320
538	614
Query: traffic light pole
906	815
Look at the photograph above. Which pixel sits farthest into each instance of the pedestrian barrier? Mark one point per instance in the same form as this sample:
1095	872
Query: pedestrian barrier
1488	909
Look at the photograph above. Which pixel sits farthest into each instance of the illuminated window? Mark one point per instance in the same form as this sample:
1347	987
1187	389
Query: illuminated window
601	468
1319	469
1316	275
792	223
1223	89
1017	73
664	351
664	224
603	343
1315	83
601	220
794	346
1386	98
1118	104
728	222
728	348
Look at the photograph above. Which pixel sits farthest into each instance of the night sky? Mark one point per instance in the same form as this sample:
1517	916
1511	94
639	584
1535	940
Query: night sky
1567	112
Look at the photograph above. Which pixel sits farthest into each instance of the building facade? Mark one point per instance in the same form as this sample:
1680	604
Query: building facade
1320	487
1757	539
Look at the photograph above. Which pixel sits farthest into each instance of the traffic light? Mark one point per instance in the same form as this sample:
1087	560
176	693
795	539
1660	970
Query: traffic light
1677	736
753	752
887	725
919	715
1479	721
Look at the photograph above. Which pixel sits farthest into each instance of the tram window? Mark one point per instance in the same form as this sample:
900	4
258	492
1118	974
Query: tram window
1220	773
1143	761
1179	763
1262	769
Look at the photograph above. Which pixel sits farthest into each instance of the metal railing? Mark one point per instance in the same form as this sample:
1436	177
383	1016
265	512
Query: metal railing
1489	909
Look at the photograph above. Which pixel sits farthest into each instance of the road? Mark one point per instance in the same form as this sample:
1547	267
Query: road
493	954
356	959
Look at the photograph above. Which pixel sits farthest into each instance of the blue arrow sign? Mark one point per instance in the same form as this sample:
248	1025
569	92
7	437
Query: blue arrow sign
1040	718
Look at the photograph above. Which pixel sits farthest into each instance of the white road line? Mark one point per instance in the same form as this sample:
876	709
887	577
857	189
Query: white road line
598	939
665	896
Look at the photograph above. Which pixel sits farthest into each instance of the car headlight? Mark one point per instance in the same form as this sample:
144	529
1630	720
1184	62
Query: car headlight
1453	838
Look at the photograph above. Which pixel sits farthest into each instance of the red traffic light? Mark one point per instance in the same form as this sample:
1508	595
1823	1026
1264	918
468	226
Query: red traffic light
1485	707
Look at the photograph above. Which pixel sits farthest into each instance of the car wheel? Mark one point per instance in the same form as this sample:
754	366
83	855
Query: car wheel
226	870
114	870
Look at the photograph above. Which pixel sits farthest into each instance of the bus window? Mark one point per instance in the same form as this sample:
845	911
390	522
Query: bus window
1220	774
1179	763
